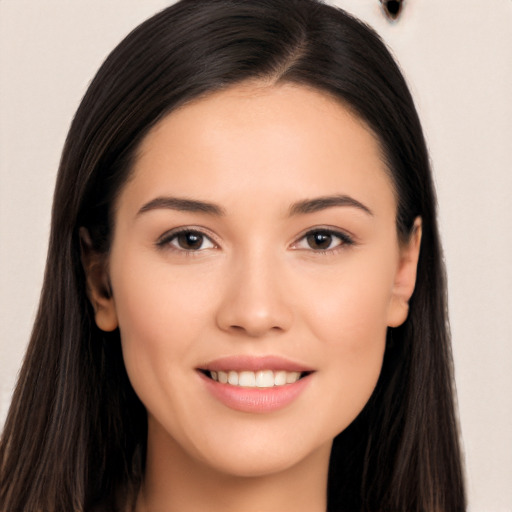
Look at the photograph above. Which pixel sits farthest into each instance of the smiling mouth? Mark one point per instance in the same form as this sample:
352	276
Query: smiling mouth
258	379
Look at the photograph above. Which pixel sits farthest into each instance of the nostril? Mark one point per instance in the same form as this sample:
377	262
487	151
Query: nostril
255	329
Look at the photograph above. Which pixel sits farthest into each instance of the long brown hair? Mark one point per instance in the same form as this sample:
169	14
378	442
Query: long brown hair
76	432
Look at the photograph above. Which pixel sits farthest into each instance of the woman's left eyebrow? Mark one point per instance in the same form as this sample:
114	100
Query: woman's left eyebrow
324	202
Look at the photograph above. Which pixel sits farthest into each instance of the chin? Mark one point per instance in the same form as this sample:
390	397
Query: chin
264	455
256	465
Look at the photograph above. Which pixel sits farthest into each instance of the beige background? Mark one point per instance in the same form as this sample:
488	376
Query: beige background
456	55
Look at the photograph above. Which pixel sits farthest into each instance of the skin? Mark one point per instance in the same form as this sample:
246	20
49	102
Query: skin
256	286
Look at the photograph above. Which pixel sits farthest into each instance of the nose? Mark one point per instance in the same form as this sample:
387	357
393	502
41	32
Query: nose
255	301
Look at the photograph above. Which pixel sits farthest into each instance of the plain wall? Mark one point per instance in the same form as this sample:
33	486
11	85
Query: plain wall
457	57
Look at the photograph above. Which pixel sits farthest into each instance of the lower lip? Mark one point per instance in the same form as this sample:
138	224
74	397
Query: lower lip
256	400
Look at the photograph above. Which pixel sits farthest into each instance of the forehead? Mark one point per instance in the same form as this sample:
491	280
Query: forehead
272	140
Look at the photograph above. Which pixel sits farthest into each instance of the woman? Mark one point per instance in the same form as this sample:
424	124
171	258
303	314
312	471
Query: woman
244	304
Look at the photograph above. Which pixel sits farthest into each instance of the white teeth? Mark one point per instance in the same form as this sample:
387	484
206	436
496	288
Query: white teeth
265	379
247	379
280	378
260	379
292	377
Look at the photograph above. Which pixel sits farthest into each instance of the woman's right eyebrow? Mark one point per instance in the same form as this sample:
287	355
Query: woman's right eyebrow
183	205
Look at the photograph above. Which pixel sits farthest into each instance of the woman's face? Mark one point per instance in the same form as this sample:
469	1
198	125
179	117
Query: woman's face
256	242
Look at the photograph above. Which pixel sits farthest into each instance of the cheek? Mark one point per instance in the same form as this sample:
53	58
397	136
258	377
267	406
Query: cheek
161	316
157	305
349	320
349	310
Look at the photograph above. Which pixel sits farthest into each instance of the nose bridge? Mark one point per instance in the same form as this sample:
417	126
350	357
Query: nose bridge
255	300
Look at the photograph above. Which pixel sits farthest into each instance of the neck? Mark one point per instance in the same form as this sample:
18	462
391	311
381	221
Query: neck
175	481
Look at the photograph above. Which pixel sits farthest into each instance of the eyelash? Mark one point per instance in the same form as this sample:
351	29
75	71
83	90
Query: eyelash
345	240
166	240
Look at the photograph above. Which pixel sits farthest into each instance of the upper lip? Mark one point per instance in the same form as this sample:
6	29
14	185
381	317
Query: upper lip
255	363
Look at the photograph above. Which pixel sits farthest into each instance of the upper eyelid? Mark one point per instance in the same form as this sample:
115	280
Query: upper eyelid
187	229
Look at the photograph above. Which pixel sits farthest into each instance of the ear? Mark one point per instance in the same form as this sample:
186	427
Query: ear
98	285
405	278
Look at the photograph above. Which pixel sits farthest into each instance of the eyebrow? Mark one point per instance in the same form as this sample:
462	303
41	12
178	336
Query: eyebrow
299	208
182	205
322	203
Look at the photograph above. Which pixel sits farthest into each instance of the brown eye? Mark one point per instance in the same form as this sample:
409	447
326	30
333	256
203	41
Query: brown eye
323	240
319	240
189	241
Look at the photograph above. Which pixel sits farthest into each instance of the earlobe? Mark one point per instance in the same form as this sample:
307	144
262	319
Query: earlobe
98	286
405	278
